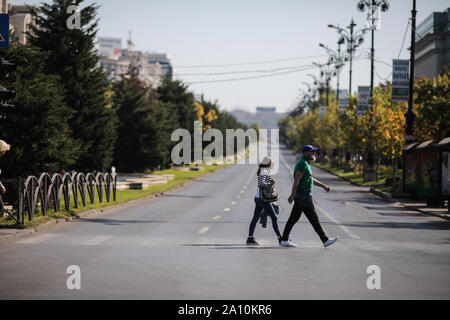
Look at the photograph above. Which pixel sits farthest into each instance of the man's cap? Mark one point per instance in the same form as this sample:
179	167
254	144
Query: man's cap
308	147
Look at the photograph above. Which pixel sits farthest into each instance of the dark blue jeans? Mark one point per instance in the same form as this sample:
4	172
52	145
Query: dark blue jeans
259	207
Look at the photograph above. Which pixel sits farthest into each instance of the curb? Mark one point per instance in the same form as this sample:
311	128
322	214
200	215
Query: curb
17	234
387	197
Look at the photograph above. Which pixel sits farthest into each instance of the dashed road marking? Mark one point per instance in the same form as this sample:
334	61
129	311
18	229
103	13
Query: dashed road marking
226	209
233	202
238	197
242	191
95	240
203	230
37	239
217	217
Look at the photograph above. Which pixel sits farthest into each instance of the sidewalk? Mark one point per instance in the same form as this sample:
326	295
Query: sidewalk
441	212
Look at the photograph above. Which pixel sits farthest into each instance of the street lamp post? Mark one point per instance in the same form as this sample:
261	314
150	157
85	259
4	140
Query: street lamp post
373	7
353	40
338	59
326	73
410	117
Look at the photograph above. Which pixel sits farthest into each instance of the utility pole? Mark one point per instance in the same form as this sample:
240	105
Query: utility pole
352	25
410	117
372	55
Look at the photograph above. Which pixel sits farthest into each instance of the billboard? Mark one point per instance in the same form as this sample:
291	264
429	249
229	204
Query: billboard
110	47
342	101
400	80
322	111
362	104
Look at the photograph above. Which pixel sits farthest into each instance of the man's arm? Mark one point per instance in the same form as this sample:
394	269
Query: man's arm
320	184
297	179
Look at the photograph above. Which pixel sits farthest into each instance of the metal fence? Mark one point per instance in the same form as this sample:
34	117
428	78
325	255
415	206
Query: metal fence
47	191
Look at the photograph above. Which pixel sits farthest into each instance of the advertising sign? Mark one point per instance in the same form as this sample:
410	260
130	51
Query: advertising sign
428	173
322	111
362	104
342	101
110	47
400	80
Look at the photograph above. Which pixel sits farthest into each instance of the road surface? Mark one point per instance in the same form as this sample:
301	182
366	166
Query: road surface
190	244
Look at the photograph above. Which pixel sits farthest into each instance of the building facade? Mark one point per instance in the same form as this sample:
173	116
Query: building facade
149	67
432	54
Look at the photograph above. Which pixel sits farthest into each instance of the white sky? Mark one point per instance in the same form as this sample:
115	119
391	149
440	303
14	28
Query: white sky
216	32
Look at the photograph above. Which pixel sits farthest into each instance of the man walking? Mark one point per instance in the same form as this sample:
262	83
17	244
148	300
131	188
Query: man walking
302	196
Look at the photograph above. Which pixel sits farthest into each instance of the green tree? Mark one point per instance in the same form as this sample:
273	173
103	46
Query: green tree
432	108
37	127
179	101
72	56
144	128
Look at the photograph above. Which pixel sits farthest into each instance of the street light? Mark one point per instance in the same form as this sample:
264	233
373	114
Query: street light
335	57
373	8
353	40
326	72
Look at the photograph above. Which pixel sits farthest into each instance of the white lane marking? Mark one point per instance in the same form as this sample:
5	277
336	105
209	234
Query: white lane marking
344	228
203	230
95	240
217	217
242	191
151	242
233	202
238	197
38	239
244	187
226	209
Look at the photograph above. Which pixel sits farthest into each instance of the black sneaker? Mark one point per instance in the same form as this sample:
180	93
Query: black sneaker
252	241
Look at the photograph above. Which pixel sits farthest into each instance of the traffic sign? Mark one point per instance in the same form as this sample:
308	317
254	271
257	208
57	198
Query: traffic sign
4	30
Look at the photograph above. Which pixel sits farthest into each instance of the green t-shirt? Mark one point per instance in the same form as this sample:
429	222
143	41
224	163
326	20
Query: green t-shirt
306	182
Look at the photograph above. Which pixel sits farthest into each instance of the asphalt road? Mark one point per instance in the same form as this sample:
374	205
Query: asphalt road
190	244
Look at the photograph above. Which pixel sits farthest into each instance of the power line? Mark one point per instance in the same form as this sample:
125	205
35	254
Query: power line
253	77
404	38
300	68
237	72
251	63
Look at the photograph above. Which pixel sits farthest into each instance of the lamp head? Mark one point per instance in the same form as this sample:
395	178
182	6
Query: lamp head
362	5
385	6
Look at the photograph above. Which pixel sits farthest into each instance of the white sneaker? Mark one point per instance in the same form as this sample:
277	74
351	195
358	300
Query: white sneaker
330	241
287	244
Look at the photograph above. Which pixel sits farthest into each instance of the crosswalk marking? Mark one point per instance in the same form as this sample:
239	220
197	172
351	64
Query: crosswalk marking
38	239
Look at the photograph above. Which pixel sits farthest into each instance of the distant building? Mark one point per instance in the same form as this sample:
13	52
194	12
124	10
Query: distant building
20	20
433	45
164	60
266	117
149	67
